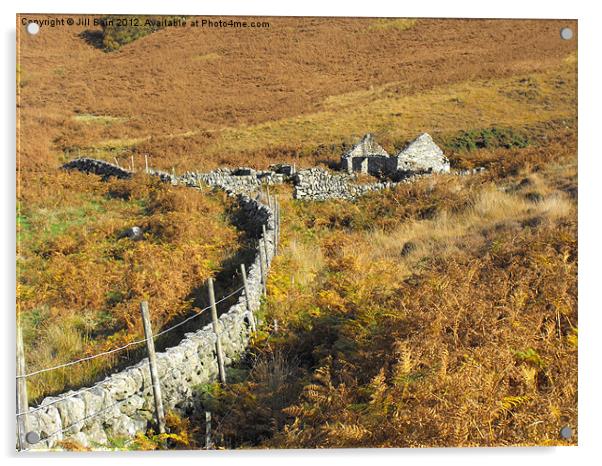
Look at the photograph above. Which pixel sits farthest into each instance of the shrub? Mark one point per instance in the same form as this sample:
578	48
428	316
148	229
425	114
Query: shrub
115	33
488	138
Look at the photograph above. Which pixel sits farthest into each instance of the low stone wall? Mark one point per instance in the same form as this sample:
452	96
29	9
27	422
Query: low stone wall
239	180
318	184
97	167
124	400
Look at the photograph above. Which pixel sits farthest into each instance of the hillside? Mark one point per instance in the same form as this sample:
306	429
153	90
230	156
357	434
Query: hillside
441	313
218	96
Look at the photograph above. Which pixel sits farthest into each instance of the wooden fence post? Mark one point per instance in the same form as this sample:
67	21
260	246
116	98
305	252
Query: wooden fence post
276	225
22	400
152	361
218	342
265	248
145	163
262	267
247	298
207	430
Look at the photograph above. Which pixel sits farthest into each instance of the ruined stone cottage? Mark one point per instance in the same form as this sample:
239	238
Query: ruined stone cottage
367	156
422	155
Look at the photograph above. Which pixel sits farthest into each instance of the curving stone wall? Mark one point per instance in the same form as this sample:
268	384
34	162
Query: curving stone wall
97	167
125	399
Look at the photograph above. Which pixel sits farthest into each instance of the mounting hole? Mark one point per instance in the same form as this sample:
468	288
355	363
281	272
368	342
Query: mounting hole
566	432
566	33
33	28
32	437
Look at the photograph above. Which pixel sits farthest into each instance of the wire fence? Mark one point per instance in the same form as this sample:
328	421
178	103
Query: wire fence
21	378
128	345
87	389
99	384
78	422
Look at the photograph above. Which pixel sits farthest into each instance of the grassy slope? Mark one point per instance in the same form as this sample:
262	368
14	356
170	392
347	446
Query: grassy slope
278	90
350	297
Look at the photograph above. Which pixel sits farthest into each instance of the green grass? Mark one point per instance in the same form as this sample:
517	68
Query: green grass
41	224
488	138
206	57
107	150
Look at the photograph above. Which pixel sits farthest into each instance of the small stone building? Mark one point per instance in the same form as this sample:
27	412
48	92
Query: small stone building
367	156
421	156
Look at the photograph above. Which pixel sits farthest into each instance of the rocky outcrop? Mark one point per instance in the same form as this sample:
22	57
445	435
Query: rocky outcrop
134	233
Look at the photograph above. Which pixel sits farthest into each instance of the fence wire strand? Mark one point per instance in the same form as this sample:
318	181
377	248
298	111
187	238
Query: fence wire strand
84	419
83	390
98	413
128	345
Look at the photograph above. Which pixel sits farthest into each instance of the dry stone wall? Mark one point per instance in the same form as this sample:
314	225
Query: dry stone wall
318	184
97	167
125	399
237	181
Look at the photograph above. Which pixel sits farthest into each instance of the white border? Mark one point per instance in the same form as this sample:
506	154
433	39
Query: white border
590	169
